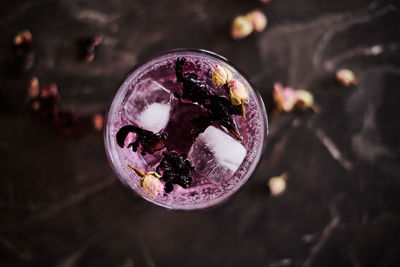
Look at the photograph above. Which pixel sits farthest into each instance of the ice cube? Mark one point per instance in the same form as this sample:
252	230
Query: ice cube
216	154
148	106
155	117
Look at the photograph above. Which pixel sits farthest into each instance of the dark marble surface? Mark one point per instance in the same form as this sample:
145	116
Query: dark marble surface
61	204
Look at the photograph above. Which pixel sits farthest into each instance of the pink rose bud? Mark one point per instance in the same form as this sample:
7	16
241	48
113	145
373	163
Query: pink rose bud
238	93
277	184
33	89
242	26
221	75
98	121
258	19
152	184
346	77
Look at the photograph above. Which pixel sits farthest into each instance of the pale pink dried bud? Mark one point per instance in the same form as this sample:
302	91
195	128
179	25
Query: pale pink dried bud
304	99
33	89
221	75
258	19
241	27
35	105
265	1
152	184
238	93
98	121
346	77
23	37
287	99
49	90
284	97
277	184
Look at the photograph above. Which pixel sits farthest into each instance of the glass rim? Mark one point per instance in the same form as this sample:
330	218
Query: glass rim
219	200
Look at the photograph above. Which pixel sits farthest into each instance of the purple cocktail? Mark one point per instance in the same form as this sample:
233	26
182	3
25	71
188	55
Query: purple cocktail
170	119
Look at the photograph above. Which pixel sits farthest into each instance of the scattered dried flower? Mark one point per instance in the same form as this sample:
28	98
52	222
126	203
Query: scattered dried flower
346	77
221	75
87	46
265	1
35	105
277	184
238	93
304	99
48	98
44	101
23	38
150	182
33	88
242	26
23	52
287	98
98	121
258	19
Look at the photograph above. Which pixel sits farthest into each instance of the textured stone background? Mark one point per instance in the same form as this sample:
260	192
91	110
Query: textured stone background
61	205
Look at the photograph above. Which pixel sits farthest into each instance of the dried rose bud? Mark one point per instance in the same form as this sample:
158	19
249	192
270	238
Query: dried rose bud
221	75
284	97
98	121
150	182
265	1
35	105
23	51
304	99
33	89
287	99
242	26
23	38
277	184
238	93
87	46
49	90
346	77
258	19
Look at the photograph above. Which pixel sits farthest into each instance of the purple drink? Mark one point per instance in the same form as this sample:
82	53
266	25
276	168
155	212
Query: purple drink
151	99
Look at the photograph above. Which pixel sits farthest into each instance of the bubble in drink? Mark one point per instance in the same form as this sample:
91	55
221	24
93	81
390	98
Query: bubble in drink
149	105
216	154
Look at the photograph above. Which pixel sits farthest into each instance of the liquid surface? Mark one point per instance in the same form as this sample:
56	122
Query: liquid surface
223	163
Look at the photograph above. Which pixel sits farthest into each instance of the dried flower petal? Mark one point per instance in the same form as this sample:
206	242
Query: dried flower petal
98	121
238	93
150	182
258	19
87	46
33	89
152	185
346	77
23	38
221	75
285	97
23	52
277	184
35	105
304	99
242	26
